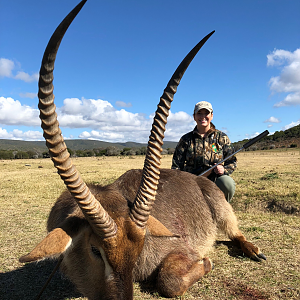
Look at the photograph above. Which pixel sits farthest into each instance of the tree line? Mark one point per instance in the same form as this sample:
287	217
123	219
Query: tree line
109	151
278	139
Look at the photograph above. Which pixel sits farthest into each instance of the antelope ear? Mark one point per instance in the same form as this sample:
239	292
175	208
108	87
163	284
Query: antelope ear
55	243
156	228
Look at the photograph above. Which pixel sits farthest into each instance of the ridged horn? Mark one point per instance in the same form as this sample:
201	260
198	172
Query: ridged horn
145	197
101	223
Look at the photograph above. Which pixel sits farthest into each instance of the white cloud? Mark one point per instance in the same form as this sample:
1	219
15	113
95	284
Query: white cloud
102	136
26	77
12	112
123	126
7	67
179	117
99	119
28	95
292	99
85	135
253	135
4	134
123	104
272	120
98	114
17	134
278	57
289	79
291	125
178	124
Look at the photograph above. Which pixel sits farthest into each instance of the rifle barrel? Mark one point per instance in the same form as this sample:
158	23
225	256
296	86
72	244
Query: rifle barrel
245	146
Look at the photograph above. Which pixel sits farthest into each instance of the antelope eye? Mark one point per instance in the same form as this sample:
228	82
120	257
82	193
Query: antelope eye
95	251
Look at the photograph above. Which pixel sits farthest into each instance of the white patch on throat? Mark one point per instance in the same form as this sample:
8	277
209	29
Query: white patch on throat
68	245
108	269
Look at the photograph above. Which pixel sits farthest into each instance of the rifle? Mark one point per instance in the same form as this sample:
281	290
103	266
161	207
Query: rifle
245	146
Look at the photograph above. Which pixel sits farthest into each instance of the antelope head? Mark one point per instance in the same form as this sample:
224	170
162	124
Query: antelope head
112	229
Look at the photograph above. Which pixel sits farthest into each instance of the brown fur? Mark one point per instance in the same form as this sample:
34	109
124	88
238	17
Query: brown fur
186	215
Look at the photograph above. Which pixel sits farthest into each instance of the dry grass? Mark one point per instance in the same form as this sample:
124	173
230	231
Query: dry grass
267	203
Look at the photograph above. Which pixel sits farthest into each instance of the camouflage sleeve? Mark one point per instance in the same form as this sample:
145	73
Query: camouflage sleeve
230	164
179	155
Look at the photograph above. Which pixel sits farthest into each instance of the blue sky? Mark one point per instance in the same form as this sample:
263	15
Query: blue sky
117	57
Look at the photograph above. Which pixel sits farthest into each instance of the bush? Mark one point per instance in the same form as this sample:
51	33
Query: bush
253	148
22	155
88	153
71	152
293	146
32	154
143	150
100	151
125	151
112	151
46	154
171	150
4	154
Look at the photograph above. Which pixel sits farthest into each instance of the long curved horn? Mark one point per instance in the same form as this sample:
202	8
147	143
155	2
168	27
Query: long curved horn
145	197
101	222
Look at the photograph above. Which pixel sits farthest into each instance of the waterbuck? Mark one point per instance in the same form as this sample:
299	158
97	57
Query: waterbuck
149	224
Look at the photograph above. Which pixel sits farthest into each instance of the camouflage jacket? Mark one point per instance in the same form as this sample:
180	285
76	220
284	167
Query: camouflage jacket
195	154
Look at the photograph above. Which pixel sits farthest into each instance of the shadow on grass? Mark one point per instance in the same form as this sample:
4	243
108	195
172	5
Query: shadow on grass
233	249
149	287
26	283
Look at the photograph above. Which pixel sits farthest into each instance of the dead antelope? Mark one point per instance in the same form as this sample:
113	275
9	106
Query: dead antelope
150	224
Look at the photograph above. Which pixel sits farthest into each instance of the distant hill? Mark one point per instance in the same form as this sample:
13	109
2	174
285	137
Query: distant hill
280	139
40	146
37	146
289	138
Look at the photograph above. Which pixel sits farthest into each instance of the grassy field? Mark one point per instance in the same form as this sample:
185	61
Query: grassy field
267	203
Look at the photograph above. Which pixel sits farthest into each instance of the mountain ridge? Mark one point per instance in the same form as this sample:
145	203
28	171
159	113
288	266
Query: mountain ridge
279	139
76	144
